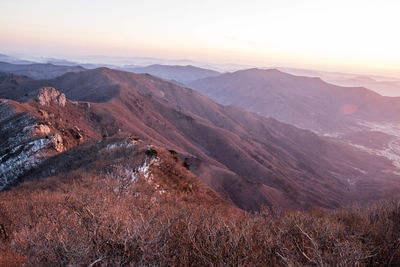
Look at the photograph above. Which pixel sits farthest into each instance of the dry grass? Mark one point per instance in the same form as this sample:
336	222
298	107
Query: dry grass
85	221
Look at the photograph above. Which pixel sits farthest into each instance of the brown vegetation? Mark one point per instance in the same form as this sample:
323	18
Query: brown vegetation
92	221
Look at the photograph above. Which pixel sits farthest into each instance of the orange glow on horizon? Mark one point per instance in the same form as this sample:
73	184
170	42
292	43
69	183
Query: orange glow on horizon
357	36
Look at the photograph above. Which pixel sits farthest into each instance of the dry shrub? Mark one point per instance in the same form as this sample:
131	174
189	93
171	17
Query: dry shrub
86	221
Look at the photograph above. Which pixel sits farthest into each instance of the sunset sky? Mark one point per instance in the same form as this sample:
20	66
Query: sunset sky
347	35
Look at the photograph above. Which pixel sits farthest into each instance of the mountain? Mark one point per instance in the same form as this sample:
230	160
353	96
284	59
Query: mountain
182	74
50	137
387	86
38	70
120	62
352	115
248	159
306	102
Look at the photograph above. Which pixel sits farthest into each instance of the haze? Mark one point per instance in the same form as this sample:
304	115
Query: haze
336	35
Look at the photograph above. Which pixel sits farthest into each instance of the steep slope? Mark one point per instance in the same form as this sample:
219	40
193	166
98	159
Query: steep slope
32	132
76	122
54	137
306	102
248	159
125	162
38	70
182	74
351	115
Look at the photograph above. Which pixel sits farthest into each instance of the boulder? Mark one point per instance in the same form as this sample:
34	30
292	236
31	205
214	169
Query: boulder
57	143
41	130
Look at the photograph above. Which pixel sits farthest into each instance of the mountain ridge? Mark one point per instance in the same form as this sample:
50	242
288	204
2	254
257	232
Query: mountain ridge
179	73
39	70
307	102
248	159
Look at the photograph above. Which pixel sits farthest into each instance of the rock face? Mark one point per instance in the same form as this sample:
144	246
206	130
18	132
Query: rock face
48	95
25	143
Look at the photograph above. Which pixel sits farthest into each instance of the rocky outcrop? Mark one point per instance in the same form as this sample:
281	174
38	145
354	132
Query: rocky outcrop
49	95
42	129
76	133
21	158
57	143
25	143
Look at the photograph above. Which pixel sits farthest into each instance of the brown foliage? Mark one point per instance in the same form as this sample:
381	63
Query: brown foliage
93	221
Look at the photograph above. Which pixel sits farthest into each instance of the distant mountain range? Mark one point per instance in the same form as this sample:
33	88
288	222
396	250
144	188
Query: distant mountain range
237	147
248	159
14	60
93	61
38	70
387	86
182	74
307	102
184	71
176	73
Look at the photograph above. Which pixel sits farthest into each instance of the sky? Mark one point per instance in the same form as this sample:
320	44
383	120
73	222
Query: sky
342	35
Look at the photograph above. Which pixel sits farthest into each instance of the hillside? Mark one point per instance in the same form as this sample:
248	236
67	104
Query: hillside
249	160
341	113
82	219
12	85
306	102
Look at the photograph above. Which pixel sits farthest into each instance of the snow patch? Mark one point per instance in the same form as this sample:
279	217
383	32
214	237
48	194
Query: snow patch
144	169
132	175
124	144
121	172
21	159
18	129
